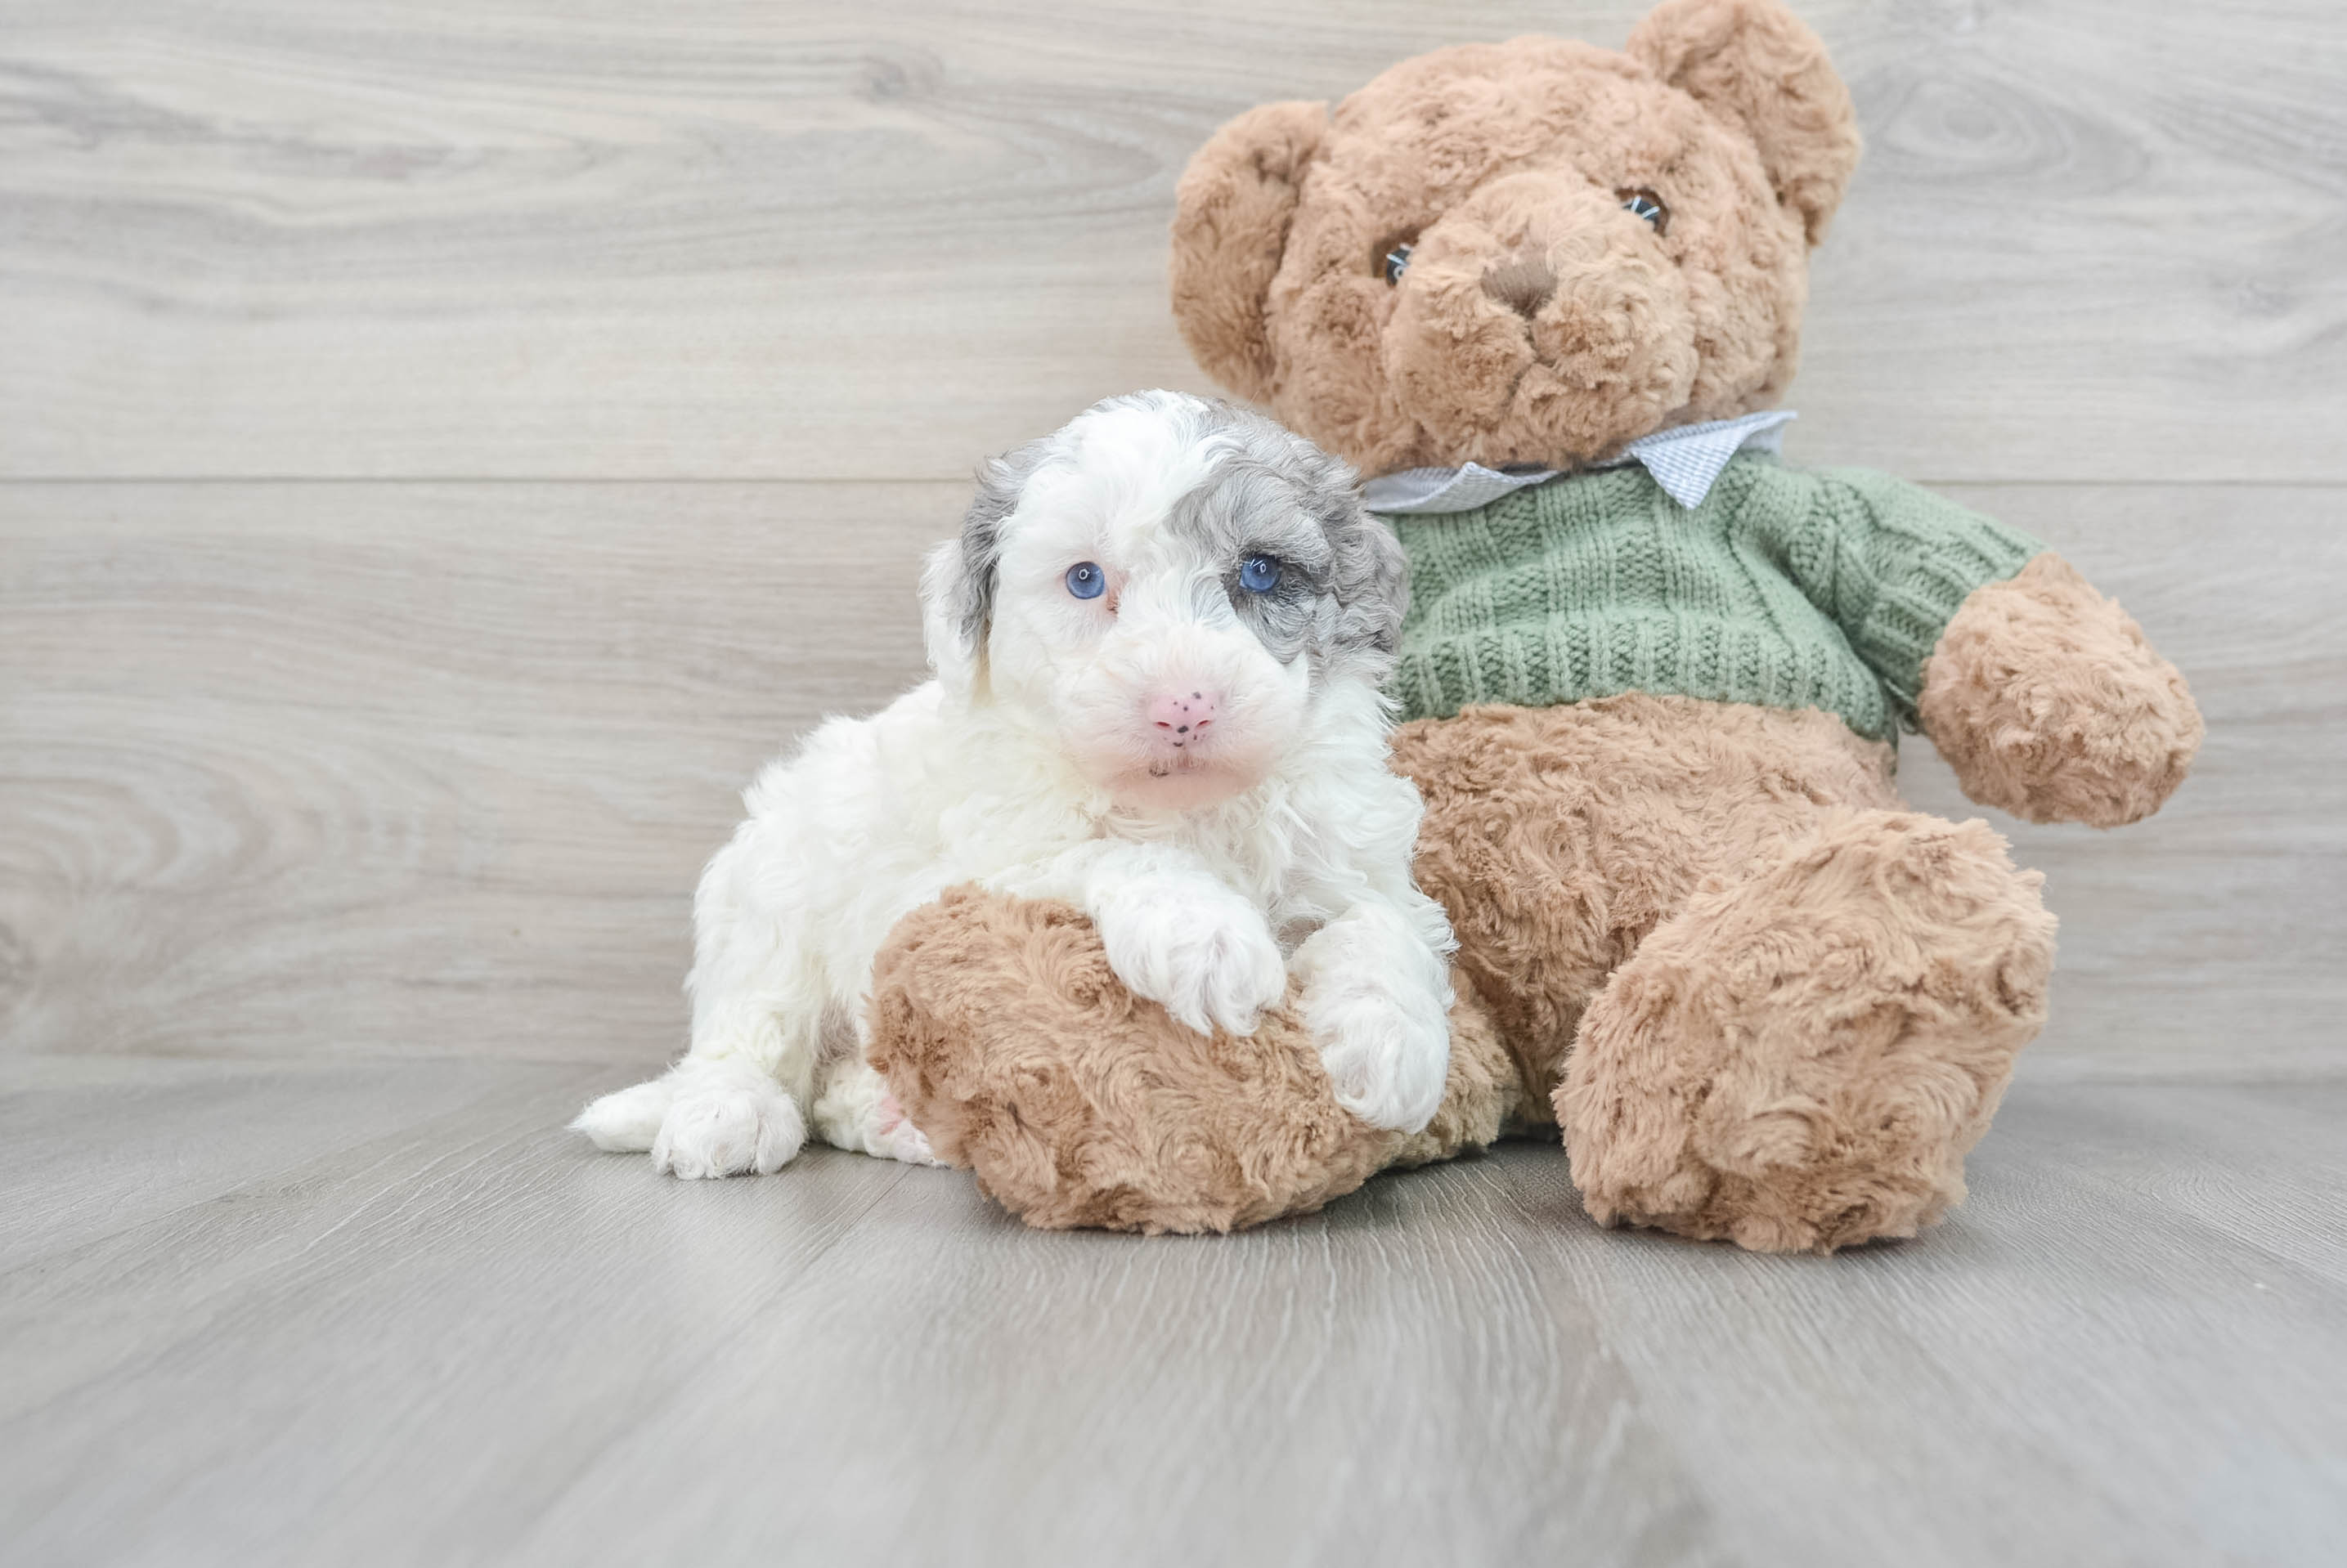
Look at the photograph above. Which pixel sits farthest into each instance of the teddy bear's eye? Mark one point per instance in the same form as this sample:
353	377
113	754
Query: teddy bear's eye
1648	206
1397	261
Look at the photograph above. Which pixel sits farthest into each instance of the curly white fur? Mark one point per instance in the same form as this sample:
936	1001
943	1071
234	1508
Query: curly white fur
1214	862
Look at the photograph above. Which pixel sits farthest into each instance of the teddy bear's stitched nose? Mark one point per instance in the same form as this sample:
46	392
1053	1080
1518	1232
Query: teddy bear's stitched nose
1523	285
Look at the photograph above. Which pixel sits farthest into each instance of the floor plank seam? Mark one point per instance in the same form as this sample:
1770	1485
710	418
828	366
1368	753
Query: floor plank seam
799	1282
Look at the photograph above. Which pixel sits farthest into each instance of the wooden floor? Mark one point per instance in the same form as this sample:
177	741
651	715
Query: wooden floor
443	449
363	1312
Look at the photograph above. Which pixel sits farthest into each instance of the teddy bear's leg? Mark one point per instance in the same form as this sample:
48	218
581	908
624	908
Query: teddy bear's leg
1799	1059
1559	837
1013	1046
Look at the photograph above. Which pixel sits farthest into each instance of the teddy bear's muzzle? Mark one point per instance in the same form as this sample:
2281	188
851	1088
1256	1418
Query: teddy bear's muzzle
1534	325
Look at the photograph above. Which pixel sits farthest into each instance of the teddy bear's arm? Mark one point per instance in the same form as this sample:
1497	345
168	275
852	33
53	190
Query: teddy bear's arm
2049	703
2043	694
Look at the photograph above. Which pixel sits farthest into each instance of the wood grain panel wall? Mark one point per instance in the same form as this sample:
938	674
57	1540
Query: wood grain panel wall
355	767
444	448
833	240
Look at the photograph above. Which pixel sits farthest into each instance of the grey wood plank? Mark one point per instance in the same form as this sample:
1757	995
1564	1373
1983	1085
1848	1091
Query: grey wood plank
344	770
406	1302
2104	1379
475	1341
2258	1168
836	239
109	1143
1404	1379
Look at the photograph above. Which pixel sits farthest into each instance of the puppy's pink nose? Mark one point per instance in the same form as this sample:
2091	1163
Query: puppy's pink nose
1181	717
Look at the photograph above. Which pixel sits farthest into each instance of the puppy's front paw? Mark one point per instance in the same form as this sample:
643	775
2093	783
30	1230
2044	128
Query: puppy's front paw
1208	960
1388	1056
726	1130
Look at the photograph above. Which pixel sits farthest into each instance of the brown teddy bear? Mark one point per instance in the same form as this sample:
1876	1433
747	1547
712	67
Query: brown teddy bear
1651	676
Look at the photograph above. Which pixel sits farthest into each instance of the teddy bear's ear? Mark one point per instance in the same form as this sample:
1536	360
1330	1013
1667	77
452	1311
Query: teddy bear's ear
1756	65
1230	227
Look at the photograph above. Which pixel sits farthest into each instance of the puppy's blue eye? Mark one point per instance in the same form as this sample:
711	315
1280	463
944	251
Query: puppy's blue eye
1086	580
1259	573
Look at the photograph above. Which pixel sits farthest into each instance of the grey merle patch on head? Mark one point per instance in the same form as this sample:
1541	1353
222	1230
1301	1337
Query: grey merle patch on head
1344	583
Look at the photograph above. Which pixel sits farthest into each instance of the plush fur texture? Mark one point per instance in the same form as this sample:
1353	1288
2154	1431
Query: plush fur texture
1755	62
1563	836
1537	321
1764	1000
2049	703
1802	1057
1005	1027
1237	199
1158	641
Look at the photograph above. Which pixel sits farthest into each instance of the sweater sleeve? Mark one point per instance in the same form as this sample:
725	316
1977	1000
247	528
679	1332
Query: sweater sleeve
1891	563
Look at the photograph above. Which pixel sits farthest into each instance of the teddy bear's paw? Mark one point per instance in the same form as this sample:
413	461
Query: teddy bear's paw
1205	955
2048	702
1000	1025
724	1130
1801	1061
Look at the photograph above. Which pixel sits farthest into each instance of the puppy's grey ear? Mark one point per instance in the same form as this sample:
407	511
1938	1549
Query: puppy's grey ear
957	581
1372	579
1368	575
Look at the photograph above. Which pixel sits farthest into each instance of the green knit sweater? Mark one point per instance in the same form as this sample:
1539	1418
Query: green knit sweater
1784	587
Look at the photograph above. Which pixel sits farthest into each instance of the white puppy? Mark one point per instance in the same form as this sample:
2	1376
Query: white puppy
1158	645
